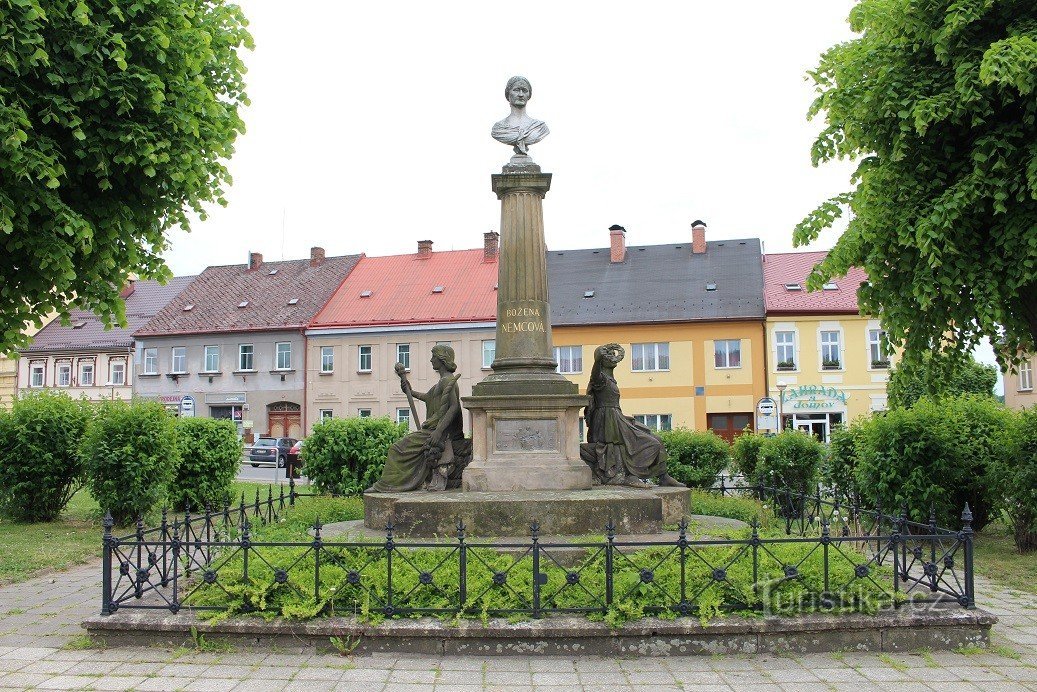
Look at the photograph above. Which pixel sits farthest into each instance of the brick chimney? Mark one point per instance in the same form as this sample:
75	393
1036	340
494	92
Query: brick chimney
490	246
698	237
255	261
618	239
424	249
316	256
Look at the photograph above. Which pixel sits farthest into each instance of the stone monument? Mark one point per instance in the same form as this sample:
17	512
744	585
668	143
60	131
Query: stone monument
525	415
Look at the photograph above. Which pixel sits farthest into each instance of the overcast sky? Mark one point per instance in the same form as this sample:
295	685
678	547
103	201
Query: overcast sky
369	124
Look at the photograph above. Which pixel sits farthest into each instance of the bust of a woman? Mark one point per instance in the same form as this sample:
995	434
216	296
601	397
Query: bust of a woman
518	129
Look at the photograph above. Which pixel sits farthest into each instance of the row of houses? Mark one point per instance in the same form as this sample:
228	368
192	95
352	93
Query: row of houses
709	327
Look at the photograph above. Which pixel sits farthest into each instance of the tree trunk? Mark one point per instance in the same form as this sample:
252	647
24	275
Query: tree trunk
1026	532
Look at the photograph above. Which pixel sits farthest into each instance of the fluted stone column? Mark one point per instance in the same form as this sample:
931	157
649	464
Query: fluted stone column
525	416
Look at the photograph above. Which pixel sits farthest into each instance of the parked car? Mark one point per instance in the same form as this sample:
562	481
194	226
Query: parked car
293	457
271	449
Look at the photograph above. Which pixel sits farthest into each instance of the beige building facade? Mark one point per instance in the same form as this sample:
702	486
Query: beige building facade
351	372
1019	385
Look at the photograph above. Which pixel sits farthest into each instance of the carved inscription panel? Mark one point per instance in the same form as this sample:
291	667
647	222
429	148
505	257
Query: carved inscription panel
525	435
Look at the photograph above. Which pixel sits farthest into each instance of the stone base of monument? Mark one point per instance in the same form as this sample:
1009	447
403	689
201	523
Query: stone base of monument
558	512
526	442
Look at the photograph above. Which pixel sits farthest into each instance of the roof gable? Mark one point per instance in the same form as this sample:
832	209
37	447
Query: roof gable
794	268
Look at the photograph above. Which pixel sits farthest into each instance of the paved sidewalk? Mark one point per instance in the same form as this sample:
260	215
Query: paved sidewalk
40	642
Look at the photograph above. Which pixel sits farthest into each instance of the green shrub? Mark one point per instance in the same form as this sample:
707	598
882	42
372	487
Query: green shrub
791	459
937	453
1014	482
840	460
130	454
746	451
741	507
210	452
39	455
693	457
346	455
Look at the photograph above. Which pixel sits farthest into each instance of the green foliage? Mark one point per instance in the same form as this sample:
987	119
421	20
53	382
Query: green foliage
115	123
741	507
840	461
938	453
745	452
346	455
209	451
791	459
910	381
935	100
130	454
1014	482
695	457
39	446
296	599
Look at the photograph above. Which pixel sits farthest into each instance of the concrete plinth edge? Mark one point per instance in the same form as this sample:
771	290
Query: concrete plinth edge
910	628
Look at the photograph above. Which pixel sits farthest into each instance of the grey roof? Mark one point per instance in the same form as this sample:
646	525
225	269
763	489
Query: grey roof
147	299
657	283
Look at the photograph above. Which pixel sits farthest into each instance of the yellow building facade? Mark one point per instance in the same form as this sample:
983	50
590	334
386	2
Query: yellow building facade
692	388
9	368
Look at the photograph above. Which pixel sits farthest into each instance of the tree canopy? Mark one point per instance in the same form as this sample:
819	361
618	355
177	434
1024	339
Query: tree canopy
909	381
115	120
936	101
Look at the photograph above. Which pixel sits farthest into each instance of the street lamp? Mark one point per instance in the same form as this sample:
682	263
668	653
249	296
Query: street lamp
781	396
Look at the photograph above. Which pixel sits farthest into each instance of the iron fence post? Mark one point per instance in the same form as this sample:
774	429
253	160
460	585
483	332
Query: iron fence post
755	542
176	557
894	548
318	545
903	546
165	544
610	538
390	545
106	565
138	590
826	539
462	567
682	542
534	533
934	581
967	535
291	492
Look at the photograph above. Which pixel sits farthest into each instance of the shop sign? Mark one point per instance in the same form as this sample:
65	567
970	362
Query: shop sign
164	398
187	407
812	397
225	398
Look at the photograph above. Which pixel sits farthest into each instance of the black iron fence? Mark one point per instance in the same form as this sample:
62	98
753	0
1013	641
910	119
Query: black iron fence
818	553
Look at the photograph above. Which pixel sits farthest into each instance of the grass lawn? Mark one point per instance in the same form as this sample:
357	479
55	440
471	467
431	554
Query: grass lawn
29	550
996	558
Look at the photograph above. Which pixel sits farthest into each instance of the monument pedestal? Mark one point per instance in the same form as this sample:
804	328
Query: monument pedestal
526	442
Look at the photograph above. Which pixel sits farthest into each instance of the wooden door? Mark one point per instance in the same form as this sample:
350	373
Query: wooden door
729	425
284	419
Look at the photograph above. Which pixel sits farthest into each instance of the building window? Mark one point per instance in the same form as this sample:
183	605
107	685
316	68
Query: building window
37	374
86	374
569	358
648	357
489	353
179	359
117	372
246	352
877	349
327	359
1026	377
364	364
150	361
284	355
403	415
363	412
212	359
403	355
785	344
727	353
64	375
655	421
830	359
326	414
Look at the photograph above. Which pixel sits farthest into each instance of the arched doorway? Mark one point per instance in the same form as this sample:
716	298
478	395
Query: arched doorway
284	419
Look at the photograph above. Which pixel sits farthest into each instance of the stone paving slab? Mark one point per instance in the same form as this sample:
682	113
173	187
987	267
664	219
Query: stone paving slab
41	647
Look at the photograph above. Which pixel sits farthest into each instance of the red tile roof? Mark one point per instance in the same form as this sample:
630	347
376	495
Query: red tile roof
402	286
218	291
794	267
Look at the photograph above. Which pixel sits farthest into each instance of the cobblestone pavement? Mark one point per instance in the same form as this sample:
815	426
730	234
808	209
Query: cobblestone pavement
41	647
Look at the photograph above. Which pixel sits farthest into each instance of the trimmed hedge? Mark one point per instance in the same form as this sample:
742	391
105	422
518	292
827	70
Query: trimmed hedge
695	457
39	455
791	459
346	455
210	452
746	450
130	454
1014	482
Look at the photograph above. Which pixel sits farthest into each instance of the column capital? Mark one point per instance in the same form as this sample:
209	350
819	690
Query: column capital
505	183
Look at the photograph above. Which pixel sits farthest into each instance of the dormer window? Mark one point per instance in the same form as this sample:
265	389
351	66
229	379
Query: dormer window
830	286
79	325
189	308
365	294
588	294
793	287
293	301
243	304
437	289
272	272
711	286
